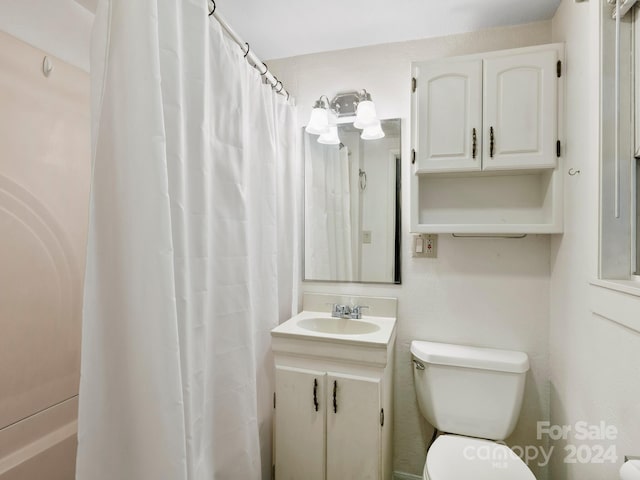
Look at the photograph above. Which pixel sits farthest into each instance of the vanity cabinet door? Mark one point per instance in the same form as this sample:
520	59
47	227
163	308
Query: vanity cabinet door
300	424
520	111
354	450
448	116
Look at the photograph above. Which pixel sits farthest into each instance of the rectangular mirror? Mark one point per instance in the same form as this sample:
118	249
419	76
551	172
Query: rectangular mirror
352	207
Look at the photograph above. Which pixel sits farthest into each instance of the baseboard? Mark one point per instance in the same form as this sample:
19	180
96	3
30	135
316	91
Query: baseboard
405	476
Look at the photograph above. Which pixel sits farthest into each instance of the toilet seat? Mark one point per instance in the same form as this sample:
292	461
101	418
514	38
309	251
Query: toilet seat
455	457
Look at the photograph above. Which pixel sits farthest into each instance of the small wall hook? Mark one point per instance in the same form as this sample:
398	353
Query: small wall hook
573	172
47	66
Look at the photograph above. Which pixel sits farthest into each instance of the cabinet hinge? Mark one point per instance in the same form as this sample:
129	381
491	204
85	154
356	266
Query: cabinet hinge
558	148
274	399
382	417
413	156
414	84
559	68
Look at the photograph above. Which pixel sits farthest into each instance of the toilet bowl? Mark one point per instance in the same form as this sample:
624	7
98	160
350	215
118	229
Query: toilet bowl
473	396
456	457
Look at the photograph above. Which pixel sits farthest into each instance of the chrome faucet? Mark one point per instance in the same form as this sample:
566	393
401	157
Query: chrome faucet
341	311
356	311
346	311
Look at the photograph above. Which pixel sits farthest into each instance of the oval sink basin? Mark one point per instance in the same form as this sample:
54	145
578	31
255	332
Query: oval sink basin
338	326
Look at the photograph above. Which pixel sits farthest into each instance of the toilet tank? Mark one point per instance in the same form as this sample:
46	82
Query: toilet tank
470	391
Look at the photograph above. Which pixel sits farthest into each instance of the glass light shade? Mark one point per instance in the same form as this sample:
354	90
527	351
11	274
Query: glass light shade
331	137
319	122
365	115
373	132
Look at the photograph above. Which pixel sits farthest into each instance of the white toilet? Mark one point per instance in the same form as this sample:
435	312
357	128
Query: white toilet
473	396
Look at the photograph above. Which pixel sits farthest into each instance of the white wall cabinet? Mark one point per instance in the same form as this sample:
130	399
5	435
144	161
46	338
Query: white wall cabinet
449	109
486	143
520	110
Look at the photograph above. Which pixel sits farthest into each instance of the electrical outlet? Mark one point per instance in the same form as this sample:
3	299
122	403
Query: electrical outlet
366	236
425	246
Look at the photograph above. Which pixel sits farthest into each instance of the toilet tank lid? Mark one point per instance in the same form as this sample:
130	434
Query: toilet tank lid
470	357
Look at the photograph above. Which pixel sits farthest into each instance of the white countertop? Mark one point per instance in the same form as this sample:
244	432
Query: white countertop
380	337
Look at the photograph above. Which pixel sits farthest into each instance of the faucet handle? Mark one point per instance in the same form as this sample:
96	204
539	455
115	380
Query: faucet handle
340	310
356	311
334	306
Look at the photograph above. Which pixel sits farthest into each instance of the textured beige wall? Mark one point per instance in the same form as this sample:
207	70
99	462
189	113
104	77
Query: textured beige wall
490	292
44	186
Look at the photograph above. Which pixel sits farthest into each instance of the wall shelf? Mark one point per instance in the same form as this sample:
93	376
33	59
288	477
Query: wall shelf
496	202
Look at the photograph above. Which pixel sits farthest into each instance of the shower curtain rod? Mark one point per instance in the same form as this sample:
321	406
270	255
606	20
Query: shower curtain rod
276	84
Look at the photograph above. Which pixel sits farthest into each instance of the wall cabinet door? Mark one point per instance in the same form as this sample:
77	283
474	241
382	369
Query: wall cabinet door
354	450
448	116
520	111
300	424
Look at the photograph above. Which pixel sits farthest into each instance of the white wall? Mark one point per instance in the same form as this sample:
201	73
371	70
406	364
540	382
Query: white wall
595	361
490	292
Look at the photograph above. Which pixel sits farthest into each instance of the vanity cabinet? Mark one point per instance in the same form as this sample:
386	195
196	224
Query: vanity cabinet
300	424
333	412
327	415
486	143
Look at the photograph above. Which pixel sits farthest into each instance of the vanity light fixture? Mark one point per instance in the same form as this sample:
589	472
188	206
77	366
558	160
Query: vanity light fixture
366	112
319	121
330	137
372	132
325	113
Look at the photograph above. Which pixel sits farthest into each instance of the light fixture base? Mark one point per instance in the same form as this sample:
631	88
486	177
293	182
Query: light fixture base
345	103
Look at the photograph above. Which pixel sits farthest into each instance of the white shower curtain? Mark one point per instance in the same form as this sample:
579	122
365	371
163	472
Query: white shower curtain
191	250
328	232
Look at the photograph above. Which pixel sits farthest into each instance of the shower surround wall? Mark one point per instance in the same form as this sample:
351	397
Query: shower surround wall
489	292
44	186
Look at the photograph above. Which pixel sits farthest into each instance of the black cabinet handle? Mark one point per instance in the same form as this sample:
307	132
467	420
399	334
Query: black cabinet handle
474	149
492	141
335	399
315	394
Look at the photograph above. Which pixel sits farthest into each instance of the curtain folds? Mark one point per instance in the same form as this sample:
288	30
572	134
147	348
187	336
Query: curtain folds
191	250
